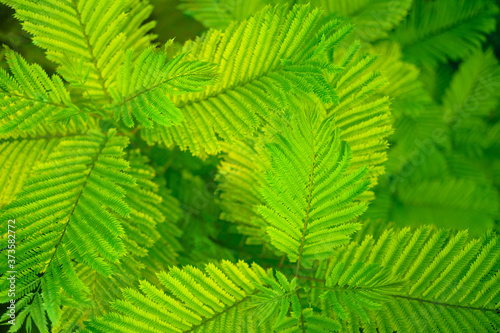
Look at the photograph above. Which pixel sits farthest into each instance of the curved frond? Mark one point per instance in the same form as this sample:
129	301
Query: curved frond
362	115
191	300
219	14
166	249
86	38
152	210
264	60
365	122
241	176
407	92
29	97
372	19
472	90
421	280
64	213
143	84
311	215
436	31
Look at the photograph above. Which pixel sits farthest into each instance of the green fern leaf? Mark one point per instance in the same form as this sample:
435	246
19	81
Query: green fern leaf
309	217
219	14
363	117
264	60
472	91
371	19
142	87
86	38
446	29
212	300
150	208
421	280
29	97
63	212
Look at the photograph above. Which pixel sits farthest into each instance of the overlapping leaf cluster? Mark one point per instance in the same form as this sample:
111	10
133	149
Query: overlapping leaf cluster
257	178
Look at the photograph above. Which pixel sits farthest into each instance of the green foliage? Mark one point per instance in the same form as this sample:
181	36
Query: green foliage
372	19
87	39
294	167
405	280
29	96
142	88
219	14
254	57
309	217
211	300
445	29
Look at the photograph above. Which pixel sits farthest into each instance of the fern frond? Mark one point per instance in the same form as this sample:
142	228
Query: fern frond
371	19
362	115
276	300
12	172
166	249
471	93
279	303
29	97
142	86
365	122
30	147
407	93
151	227
311	215
150	208
263	61
86	38
64	212
192	300
460	202
219	14
420	280
446	29
241	176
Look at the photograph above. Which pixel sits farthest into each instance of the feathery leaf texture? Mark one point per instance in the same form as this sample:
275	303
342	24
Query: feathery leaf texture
165	250
275	300
87	38
64	212
407	93
472	90
241	176
280	303
309	217
404	280
219	14
193	300
421	280
437	169
263	61
362	115
302	111
463	202
372	19
150	207
14	174
142	87
29	97
436	31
